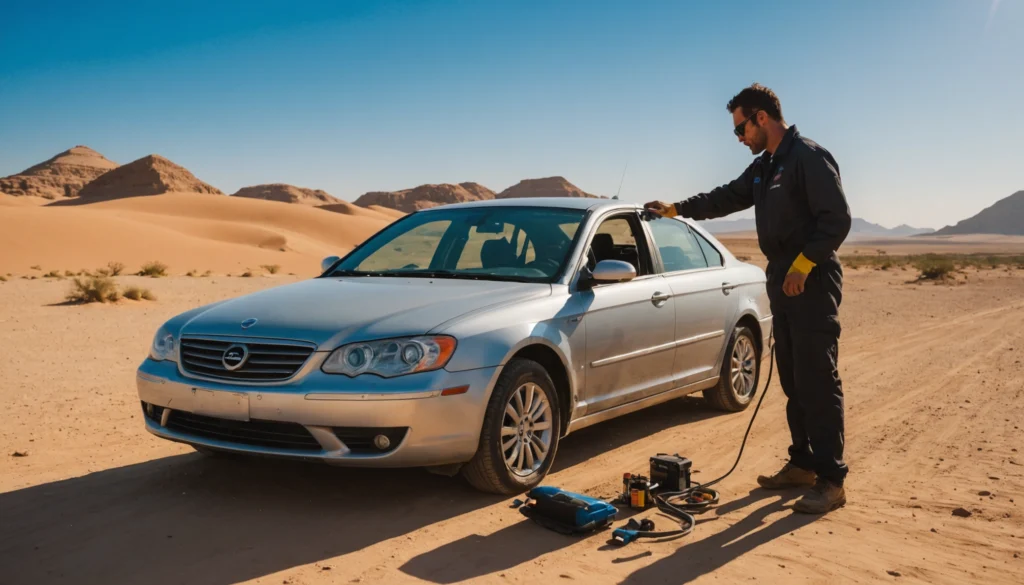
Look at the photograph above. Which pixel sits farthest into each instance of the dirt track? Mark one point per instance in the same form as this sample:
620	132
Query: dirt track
935	402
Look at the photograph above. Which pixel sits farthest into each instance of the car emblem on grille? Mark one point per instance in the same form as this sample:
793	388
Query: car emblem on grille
234	357
249	322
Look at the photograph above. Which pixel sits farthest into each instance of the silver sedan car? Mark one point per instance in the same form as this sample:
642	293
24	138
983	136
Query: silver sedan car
466	338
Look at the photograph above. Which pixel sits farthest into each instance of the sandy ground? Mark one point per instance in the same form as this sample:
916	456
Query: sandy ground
933	380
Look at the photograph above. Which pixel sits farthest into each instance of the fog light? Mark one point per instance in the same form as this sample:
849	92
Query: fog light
382	442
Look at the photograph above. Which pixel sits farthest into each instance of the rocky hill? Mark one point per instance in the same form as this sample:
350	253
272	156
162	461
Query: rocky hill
149	175
1005	216
287	194
61	176
425	196
546	187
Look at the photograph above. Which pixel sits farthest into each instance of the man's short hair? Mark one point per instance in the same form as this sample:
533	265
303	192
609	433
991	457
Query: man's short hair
756	97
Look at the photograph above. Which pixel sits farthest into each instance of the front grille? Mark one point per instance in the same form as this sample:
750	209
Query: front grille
256	433
360	439
267	362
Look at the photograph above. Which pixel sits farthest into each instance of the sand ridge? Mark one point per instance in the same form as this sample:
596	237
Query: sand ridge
186	231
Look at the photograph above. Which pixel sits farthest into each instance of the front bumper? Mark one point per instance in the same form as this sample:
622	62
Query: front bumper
339	412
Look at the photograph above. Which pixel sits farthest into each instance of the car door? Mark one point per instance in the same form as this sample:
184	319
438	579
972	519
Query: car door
630	326
700	295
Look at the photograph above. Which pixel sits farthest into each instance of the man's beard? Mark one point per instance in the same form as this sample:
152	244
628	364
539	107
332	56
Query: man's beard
758	145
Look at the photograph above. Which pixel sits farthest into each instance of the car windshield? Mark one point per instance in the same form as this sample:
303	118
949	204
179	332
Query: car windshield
522	244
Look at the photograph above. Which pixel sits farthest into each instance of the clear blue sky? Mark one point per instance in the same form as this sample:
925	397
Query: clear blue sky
918	100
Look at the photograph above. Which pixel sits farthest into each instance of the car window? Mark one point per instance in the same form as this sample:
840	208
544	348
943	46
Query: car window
713	256
413	249
517	240
678	247
616	239
514	243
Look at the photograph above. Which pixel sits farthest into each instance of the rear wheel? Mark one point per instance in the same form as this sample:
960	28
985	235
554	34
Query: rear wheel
520	433
741	370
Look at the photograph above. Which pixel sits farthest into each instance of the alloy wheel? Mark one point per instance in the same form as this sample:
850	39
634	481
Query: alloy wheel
526	430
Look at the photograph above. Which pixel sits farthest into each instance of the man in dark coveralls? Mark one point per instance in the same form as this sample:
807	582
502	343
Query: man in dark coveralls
802	218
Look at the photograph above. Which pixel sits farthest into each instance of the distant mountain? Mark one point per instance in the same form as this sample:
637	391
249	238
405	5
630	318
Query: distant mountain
425	196
149	175
864	227
61	176
287	194
1005	216
546	187
858	227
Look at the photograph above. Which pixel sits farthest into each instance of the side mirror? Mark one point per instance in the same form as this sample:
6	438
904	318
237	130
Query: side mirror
328	262
613	271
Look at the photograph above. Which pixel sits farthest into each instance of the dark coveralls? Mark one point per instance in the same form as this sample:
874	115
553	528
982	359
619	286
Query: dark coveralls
800	207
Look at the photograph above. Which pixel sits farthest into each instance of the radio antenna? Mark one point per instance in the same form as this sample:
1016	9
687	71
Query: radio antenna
621	180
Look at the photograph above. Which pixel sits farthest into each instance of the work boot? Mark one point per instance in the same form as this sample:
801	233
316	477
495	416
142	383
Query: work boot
788	477
825	496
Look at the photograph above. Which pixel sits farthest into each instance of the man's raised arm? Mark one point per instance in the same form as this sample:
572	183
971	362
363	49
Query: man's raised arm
719	202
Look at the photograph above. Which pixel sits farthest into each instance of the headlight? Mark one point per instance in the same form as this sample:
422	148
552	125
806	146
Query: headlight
391	357
163	347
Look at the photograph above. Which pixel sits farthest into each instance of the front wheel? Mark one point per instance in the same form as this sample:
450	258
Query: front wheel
741	370
520	433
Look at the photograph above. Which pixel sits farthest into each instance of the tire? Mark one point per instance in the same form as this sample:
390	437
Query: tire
740	375
488	471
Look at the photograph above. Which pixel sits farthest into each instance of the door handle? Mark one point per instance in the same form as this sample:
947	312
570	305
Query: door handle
659	298
727	287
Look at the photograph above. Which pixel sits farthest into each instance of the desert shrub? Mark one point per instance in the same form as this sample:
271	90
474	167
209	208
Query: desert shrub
3	278
36	267
94	289
68	273
153	269
190	273
207	273
271	268
246	274
136	293
115	268
53	274
934	268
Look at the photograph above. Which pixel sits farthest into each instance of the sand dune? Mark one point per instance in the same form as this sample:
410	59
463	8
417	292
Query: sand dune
386	211
183	230
7	200
375	212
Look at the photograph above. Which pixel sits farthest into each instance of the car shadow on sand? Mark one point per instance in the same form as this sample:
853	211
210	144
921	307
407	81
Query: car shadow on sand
213	521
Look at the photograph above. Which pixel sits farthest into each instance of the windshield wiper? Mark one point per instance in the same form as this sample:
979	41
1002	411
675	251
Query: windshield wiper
356	273
459	275
431	274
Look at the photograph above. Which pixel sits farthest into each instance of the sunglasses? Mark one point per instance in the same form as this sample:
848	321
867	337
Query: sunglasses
741	128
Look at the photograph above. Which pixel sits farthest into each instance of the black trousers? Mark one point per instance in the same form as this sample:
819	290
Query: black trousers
807	329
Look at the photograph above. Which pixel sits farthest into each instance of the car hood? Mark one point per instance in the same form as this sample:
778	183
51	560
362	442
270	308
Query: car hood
333	311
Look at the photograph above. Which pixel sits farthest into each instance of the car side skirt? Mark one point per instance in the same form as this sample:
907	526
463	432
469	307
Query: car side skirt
604	415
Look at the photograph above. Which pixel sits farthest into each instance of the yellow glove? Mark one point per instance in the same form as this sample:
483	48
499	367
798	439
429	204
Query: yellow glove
661	208
801	265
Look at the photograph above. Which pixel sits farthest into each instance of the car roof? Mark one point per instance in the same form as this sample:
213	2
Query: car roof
552	202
